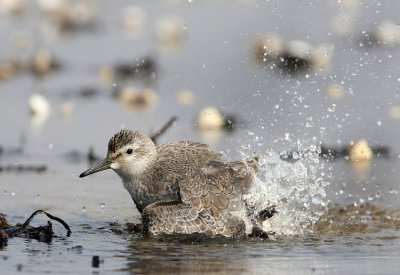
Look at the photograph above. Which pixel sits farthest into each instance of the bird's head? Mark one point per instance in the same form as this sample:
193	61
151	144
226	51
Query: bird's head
129	154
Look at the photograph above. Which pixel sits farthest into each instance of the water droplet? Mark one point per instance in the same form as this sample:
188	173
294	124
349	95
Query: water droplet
309	122
5	193
51	146
13	193
379	123
83	209
332	108
103	205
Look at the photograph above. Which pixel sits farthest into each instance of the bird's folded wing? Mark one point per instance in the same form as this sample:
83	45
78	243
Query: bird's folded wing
216	185
172	217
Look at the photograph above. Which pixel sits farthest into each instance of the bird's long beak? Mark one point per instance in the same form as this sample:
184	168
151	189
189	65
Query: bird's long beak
100	166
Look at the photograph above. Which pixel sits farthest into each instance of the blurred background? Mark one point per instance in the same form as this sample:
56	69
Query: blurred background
245	76
312	86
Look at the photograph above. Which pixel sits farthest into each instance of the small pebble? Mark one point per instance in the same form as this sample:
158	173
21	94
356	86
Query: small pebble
96	261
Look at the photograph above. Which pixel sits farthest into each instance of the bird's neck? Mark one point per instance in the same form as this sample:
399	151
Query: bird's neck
137	190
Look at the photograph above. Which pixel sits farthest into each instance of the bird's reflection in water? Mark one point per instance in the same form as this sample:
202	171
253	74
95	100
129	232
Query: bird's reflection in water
179	255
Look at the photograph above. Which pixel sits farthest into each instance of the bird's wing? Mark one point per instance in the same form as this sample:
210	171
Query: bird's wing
172	217
216	184
205	181
177	217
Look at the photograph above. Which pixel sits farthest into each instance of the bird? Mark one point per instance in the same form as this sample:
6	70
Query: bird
183	187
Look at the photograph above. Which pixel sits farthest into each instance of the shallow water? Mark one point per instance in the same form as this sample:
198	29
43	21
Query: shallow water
340	219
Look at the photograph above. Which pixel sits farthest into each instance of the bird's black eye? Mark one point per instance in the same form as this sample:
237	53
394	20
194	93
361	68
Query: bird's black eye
129	151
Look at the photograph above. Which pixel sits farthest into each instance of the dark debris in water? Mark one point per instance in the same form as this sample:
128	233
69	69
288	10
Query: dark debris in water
96	261
40	168
43	233
145	68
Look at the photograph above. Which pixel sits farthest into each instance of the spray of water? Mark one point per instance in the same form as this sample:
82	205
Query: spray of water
296	188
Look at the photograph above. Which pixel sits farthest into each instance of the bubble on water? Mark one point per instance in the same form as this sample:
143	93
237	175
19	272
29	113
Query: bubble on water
37	198
83	209
332	108
103	205
309	122
5	193
370	198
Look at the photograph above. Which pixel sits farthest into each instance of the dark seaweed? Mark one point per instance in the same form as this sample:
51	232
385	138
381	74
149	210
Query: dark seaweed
43	233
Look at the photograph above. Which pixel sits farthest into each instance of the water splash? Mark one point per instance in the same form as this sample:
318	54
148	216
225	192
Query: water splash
297	189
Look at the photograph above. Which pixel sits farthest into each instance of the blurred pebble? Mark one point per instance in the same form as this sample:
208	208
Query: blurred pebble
169	32
394	112
268	47
143	68
66	110
386	33
8	69
12	7
293	56
68	16
186	97
38	105
360	151
134	99
344	20
39	108
335	91
133	18
210	119
43	63
107	75
360	156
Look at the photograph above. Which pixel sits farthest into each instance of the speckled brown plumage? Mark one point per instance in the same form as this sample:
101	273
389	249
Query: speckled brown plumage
183	187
